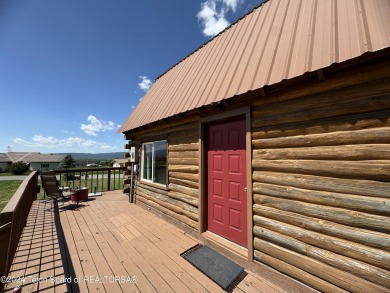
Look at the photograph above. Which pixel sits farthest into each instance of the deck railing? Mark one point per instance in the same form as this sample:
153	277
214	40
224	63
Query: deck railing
13	219
95	179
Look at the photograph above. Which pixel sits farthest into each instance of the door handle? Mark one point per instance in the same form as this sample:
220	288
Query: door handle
245	189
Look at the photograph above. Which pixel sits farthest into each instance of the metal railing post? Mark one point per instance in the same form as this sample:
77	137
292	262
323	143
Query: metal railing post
109	180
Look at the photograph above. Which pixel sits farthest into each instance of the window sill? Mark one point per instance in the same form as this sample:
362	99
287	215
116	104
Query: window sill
155	185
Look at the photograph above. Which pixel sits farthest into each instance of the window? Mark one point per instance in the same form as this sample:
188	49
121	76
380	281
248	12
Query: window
44	165
154	162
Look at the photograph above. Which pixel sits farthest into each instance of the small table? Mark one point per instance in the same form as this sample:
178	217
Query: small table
79	194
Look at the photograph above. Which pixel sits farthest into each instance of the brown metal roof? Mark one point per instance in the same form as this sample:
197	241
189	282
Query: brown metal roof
281	39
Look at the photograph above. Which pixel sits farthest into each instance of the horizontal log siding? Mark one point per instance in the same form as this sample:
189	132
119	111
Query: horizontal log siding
321	187
180	199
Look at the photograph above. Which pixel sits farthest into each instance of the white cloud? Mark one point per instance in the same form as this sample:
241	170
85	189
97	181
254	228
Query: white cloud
63	145
232	4
96	126
213	15
145	83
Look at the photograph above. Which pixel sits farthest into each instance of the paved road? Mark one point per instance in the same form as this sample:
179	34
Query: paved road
19	177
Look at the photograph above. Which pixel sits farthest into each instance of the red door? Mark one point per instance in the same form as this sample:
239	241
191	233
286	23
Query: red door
226	171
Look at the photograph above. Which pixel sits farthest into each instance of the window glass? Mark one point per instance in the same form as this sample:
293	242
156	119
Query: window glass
154	162
160	162
147	160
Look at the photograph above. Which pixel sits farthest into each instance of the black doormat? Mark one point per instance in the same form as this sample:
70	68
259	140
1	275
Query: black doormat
217	267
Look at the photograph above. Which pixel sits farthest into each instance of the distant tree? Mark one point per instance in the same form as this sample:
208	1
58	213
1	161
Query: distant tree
19	168
67	163
105	162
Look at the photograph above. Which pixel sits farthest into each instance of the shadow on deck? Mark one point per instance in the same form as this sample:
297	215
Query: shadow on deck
42	261
108	245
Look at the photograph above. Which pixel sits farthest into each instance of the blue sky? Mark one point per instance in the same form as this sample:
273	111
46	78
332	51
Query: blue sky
71	71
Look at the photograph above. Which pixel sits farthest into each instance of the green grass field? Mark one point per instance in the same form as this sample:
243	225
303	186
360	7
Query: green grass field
6	174
10	174
7	190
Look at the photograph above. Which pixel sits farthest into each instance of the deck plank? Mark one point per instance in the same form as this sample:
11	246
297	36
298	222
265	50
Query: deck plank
126	261
148	273
162	247
173	259
100	261
85	257
107	237
60	268
158	281
47	258
151	254
111	263
69	233
253	284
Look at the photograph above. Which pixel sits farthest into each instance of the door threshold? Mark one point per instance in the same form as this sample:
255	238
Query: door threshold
227	245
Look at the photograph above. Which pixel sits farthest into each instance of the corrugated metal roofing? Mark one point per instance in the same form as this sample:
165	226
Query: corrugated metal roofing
281	39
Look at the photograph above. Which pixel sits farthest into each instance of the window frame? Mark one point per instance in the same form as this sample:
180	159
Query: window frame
153	182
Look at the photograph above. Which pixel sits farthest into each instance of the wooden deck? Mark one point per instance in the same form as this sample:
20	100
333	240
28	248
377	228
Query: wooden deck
109	245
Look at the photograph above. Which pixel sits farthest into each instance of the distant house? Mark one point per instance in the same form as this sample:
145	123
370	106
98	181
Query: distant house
93	165
37	161
4	162
120	163
272	140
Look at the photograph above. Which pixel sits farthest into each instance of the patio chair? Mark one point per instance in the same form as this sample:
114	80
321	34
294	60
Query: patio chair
52	188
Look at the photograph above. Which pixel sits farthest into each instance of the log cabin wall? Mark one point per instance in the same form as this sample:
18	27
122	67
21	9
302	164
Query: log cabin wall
180	199
321	178
321	187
